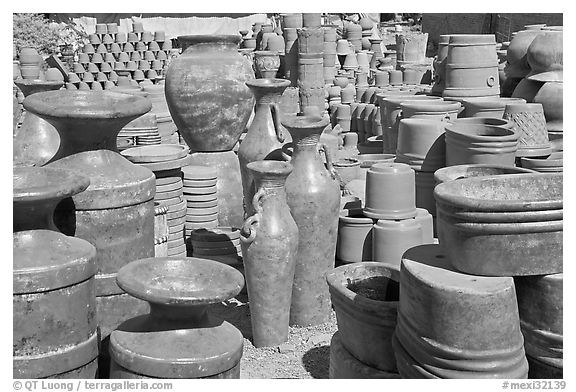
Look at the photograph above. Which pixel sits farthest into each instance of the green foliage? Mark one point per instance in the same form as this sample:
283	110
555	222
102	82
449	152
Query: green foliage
33	30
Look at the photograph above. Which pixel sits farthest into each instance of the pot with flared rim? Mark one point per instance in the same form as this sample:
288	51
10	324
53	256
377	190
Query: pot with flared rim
458	172
421	144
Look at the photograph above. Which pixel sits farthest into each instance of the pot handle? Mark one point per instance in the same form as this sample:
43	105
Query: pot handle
275	110
248	226
323	147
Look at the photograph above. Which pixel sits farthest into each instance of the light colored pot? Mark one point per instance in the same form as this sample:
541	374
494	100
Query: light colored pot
421	144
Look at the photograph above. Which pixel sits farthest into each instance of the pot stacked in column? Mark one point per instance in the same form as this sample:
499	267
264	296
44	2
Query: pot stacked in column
311	68
329	51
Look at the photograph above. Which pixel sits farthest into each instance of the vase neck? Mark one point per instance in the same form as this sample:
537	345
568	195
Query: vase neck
267	94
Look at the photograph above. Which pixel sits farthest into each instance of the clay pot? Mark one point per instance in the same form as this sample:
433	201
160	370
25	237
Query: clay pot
480	121
354	243
391	238
545	57
431	109
471	67
550	96
390	191
421	144
492	107
527	89
269	248
466	144
313	192
540	304
37	141
37	191
265	135
517	62
458	172
178	338
365	298
311	19
550	164
444	328
528	121
344	366
347	169
220	112
411	47
512	223
54	309
266	63
293	21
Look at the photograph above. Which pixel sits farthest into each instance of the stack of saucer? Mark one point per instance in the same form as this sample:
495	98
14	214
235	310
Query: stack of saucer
201	197
166	161
221	244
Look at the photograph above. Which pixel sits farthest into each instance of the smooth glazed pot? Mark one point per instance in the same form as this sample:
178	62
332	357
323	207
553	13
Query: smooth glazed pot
454	325
54	306
365	299
354	243
210	76
265	135
314	200
505	225
348	169
179	338
269	241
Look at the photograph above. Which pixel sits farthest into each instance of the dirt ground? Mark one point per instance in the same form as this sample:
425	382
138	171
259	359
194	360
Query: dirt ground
306	354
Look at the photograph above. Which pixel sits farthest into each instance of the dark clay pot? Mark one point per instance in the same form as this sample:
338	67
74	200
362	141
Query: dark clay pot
314	200
265	135
178	338
206	92
269	246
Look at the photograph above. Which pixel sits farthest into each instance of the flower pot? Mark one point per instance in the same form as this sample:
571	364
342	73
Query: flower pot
550	95
421	144
269	241
348	169
453	325
354	243
365	298
512	223
178	338
492	107
220	112
528	121
434	110
266	63
468	144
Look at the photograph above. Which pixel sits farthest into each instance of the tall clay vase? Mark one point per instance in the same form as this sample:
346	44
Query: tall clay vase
269	241
314	200
265	136
207	94
36	142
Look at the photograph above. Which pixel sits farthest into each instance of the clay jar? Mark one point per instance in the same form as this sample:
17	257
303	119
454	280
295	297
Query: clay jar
54	309
206	92
269	241
492	107
354	243
365	298
421	144
314	200
454	325
178	338
265	135
512	223
466	144
390	191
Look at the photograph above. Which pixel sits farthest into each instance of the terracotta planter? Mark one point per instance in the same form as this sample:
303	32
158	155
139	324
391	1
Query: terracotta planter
528	121
179	338
269	248
266	64
221	107
53	279
344	366
347	169
421	144
390	191
540	303
265	135
492	107
434	110
512	223
411	47
36	193
354	243
314	201
365	298
468	144
550	164
453	325
458	172
36	142
367	160
391	238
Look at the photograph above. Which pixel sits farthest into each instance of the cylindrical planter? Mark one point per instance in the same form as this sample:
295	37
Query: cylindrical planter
265	135
354	242
269	246
439	65
391	238
550	164
365	299
210	76
179	338
479	121
492	107
54	307
433	110
314	201
421	144
266	63
512	223
453	325
367	160
550	96
390	191
344	366
529	122
540	303
468	144
458	172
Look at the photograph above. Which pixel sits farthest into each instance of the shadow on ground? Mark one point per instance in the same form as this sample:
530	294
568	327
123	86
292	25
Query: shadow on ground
236	312
317	361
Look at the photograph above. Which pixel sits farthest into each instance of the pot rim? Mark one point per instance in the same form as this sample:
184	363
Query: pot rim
446	174
459	131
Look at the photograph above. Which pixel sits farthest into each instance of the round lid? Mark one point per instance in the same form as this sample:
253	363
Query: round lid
42	183
47	260
114	181
192	172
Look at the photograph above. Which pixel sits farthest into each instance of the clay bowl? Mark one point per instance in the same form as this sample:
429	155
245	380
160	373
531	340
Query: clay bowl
458	172
506	225
180	281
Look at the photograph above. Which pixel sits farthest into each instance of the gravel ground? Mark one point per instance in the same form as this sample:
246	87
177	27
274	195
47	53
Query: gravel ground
306	354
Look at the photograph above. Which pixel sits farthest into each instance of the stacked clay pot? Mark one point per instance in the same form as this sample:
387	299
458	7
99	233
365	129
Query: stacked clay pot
311	67
30	63
221	244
